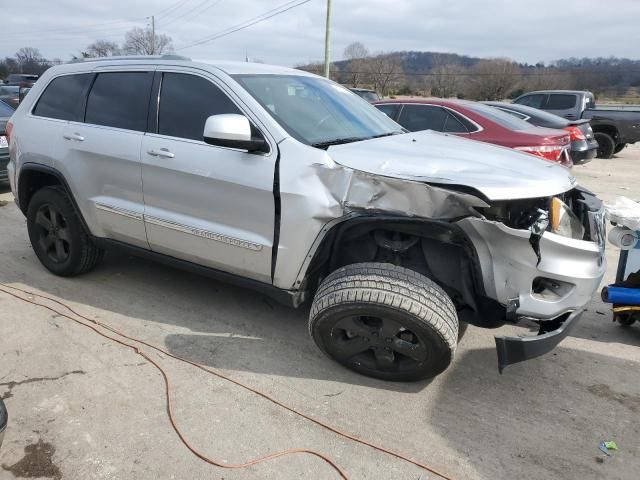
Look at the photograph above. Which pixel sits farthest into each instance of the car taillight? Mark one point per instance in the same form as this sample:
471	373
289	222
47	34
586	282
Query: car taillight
8	132
549	152
575	134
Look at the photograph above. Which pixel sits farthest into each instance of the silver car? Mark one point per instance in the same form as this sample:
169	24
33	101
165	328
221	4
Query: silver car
290	184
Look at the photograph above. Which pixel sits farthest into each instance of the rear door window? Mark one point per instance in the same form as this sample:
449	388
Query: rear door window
536	100
186	101
64	98
120	99
390	109
558	101
422	117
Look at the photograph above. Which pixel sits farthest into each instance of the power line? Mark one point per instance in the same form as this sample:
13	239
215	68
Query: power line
260	18
472	74
184	14
166	11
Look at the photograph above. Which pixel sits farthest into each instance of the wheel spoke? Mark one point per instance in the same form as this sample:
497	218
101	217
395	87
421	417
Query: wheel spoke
54	217
354	325
63	234
45	242
416	351
384	358
60	249
43	221
352	346
389	328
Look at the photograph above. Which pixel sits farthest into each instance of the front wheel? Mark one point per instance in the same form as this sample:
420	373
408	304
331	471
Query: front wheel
385	321
606	144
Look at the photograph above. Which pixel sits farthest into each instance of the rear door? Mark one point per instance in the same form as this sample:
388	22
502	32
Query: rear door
563	104
210	205
101	157
416	117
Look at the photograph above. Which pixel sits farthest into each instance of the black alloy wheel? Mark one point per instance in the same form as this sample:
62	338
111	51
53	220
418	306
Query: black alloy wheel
53	235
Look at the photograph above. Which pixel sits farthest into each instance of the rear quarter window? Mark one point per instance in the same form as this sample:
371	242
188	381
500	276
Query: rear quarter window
120	99
64	97
561	101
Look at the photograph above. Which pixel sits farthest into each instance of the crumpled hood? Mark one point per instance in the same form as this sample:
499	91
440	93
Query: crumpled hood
498	173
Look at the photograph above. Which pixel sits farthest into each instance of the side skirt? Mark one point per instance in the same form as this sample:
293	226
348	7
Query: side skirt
285	297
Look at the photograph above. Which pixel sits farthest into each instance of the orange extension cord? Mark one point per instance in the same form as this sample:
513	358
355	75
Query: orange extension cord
174	424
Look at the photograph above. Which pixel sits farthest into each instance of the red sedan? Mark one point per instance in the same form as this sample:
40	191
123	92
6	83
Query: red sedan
479	122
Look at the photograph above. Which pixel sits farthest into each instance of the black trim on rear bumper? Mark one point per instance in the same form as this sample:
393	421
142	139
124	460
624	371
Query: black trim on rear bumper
518	349
584	156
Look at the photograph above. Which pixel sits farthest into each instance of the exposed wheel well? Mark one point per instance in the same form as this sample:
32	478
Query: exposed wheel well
608	129
30	181
439	250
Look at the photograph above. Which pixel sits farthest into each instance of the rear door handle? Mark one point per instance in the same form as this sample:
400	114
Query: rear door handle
74	136
163	152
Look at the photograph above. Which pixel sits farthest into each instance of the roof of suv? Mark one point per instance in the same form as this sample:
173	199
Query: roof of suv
229	67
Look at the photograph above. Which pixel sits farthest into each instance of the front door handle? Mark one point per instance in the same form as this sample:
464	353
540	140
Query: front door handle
163	152
74	136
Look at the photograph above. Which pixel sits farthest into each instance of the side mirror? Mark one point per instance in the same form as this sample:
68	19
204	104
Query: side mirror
233	131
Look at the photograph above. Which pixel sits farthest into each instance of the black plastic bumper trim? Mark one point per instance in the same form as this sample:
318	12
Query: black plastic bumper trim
3	420
518	349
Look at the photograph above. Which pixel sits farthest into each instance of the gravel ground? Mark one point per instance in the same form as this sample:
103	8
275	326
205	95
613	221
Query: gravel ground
84	408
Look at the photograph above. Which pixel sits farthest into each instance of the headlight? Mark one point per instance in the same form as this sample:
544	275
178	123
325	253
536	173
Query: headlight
564	222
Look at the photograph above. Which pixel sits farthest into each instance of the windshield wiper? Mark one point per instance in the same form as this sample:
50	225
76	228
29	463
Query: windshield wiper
341	141
337	141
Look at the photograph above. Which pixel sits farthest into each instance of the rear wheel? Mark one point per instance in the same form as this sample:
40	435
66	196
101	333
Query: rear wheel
606	144
627	319
57	235
385	321
619	147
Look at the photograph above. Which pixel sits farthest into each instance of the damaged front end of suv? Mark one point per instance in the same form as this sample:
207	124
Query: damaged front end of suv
542	258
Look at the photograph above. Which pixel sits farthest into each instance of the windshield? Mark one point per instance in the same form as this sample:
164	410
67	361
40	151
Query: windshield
552	121
500	117
316	111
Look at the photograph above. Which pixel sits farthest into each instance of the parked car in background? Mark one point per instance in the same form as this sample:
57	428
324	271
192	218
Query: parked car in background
21	79
584	146
479	122
285	182
10	94
5	113
3	420
368	95
613	126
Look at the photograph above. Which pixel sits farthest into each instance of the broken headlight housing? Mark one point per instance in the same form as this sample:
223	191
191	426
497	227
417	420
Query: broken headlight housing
563	221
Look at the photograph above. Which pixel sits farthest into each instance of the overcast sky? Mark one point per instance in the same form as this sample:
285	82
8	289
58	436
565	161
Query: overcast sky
525	30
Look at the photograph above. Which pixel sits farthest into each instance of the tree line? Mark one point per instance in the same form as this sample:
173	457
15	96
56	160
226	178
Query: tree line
450	75
137	41
402	73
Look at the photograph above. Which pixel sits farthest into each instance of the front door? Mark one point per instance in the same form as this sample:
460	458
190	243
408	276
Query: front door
210	205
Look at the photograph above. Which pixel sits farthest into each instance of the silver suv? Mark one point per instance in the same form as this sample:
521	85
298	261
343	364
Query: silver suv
291	184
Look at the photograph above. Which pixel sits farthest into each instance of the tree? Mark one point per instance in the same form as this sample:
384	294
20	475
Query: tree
383	71
30	60
140	41
494	79
103	48
356	54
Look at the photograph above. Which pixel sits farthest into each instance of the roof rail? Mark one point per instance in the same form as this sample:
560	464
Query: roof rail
166	56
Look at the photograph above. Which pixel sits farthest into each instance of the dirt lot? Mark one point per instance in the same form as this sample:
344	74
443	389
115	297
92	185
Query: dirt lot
84	408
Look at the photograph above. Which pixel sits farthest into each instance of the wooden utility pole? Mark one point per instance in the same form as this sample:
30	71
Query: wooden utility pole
327	42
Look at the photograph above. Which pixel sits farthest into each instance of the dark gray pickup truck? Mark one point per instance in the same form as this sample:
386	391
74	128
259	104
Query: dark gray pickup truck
613	126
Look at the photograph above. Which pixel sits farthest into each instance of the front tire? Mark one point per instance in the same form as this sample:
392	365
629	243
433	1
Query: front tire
384	321
57	235
606	144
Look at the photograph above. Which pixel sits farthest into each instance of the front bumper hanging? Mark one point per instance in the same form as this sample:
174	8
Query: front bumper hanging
518	349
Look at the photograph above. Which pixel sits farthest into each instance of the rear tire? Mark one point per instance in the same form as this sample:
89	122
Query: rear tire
57	235
384	321
627	319
619	148
606	144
